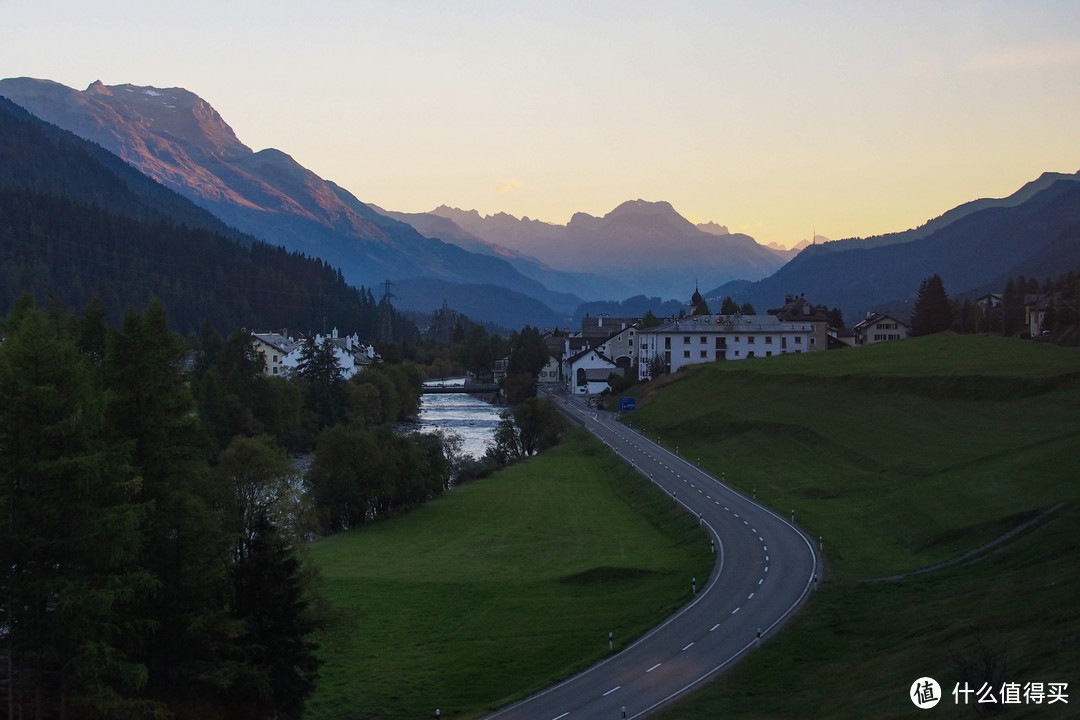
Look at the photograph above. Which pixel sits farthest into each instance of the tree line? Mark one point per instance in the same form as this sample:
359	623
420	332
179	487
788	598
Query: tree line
1005	313
153	527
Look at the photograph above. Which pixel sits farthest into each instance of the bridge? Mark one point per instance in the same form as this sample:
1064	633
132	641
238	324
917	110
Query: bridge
477	388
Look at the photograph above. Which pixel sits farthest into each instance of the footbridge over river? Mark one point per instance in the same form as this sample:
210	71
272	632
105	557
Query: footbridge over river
473	389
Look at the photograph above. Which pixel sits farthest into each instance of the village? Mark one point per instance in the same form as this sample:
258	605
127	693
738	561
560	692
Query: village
625	350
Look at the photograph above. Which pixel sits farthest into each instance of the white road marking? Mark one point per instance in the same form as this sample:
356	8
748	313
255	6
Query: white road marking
714	627
751	595
648	671
612	690
687	647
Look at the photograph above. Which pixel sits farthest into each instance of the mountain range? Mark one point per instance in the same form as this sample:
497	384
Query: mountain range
78	226
175	137
516	271
975	248
639	244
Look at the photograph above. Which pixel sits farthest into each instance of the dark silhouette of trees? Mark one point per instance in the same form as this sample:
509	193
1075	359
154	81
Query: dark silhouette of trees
932	312
137	581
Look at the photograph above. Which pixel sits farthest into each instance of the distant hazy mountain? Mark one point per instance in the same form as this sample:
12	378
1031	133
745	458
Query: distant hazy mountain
1035	232
563	283
175	137
640	244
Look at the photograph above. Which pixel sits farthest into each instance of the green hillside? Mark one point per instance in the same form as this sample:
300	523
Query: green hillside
500	587
900	457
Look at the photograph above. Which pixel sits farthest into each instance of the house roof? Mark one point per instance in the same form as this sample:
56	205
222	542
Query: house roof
577	356
798	308
277	341
728	324
874	318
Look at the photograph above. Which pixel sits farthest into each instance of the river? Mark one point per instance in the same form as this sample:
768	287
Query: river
465	415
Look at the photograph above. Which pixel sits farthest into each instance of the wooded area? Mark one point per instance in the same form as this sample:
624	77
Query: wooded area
153	530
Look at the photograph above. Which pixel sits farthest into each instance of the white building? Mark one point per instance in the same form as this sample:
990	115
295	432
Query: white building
587	372
274	347
710	338
877	327
352	355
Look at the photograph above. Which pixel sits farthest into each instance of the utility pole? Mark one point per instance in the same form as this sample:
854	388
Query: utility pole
386	329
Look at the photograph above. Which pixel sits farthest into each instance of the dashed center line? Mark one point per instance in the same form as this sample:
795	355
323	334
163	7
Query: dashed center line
687	647
612	690
654	667
714	627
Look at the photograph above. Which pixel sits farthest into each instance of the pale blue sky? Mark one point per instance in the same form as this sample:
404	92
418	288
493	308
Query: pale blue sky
773	118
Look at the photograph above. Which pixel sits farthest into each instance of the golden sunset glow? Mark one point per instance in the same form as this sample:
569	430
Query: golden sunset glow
771	118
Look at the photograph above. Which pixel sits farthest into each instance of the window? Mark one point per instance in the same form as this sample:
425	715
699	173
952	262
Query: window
631	342
685	339
768	339
274	358
750	354
704	340
798	339
768	353
704	354
750	340
667	343
721	343
686	353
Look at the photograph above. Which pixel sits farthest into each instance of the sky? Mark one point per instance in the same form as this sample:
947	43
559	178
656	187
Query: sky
777	119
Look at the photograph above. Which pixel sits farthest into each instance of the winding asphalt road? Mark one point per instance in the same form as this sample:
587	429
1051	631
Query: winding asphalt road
764	571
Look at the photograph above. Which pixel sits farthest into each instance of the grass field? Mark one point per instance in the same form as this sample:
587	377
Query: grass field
900	456
499	588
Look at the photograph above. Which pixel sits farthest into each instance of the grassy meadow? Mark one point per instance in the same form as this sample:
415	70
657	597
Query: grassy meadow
499	588
900	456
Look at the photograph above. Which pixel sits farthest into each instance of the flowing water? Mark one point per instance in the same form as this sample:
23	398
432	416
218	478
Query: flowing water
465	415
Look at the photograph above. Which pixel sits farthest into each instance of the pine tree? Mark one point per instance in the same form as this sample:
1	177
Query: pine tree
184	545
70	544
932	312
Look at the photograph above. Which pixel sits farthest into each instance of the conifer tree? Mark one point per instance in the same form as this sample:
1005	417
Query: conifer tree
69	548
184	545
932	312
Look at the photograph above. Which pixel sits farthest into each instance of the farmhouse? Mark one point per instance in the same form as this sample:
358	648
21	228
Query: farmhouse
587	371
878	327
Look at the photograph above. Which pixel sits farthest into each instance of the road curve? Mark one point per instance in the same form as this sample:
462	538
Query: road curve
764	571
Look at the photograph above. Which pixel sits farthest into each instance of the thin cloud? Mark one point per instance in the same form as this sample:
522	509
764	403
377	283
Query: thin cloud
508	186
